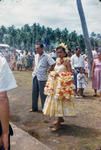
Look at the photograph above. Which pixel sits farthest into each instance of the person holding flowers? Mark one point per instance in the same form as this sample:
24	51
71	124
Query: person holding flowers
60	89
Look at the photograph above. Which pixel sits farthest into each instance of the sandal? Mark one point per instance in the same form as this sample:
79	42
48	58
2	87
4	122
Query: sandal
61	120
56	127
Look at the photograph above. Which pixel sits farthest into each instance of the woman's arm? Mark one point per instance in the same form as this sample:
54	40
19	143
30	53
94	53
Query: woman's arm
93	67
4	118
51	68
68	65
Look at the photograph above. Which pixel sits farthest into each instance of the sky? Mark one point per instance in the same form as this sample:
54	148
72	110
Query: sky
51	13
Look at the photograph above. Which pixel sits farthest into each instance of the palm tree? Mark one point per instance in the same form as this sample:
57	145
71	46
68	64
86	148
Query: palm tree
85	33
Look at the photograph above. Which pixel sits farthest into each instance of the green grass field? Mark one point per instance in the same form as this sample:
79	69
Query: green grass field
82	132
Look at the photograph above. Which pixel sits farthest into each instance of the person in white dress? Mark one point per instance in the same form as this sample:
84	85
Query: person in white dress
60	90
81	82
7	82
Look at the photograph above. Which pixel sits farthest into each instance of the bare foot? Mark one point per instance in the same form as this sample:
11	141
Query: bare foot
61	120
56	127
55	122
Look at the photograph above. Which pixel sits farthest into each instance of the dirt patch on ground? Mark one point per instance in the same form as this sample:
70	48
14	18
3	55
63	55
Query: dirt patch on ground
82	132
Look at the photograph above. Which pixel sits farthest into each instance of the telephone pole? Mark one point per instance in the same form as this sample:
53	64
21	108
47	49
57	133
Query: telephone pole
85	33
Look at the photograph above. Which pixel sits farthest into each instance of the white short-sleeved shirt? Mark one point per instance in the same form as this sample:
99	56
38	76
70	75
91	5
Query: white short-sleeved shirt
95	54
77	61
41	65
7	80
81	81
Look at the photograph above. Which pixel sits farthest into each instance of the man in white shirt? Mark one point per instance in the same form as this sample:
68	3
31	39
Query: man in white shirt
94	53
43	62
77	62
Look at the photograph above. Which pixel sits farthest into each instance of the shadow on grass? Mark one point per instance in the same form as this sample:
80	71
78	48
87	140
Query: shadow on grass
15	118
89	97
77	131
33	133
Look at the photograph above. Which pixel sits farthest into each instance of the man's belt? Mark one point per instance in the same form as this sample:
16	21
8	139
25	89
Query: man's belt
78	67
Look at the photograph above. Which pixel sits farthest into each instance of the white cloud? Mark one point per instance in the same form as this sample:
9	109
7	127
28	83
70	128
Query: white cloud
53	13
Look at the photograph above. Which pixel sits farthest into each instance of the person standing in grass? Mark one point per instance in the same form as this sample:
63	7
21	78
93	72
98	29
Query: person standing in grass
42	64
96	74
81	82
60	90
7	82
77	62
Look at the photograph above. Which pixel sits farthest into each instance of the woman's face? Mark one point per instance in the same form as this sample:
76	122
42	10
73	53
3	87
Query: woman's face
60	53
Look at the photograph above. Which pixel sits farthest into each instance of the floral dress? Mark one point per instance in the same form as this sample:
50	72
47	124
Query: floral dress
60	91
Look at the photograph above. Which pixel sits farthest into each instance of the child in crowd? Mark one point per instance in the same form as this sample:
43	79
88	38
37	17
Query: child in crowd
81	82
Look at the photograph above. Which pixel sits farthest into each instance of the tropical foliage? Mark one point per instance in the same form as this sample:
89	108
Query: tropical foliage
26	37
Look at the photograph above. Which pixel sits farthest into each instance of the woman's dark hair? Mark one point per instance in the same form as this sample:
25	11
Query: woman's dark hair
63	49
77	48
40	44
26	52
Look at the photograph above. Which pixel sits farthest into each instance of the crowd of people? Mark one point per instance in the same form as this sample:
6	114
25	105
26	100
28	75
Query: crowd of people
19	60
56	87
58	78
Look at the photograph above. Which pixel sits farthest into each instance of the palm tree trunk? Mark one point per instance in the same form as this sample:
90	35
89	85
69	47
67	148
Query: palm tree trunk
85	33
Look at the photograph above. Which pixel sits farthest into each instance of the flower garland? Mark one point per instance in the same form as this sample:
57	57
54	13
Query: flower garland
65	86
49	88
60	61
61	85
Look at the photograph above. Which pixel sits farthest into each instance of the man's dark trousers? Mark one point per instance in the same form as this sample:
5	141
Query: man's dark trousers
38	88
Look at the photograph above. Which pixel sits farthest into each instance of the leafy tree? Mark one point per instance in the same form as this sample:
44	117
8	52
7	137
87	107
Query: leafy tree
25	37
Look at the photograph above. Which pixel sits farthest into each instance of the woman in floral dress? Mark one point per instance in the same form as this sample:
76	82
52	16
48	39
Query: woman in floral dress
59	90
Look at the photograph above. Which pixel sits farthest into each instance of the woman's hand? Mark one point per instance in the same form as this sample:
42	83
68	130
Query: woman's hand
92	76
57	75
51	68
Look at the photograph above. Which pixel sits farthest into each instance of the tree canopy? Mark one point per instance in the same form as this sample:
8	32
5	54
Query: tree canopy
26	37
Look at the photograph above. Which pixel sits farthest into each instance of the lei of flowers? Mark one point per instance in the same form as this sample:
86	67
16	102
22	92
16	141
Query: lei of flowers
59	61
61	85
49	88
65	86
